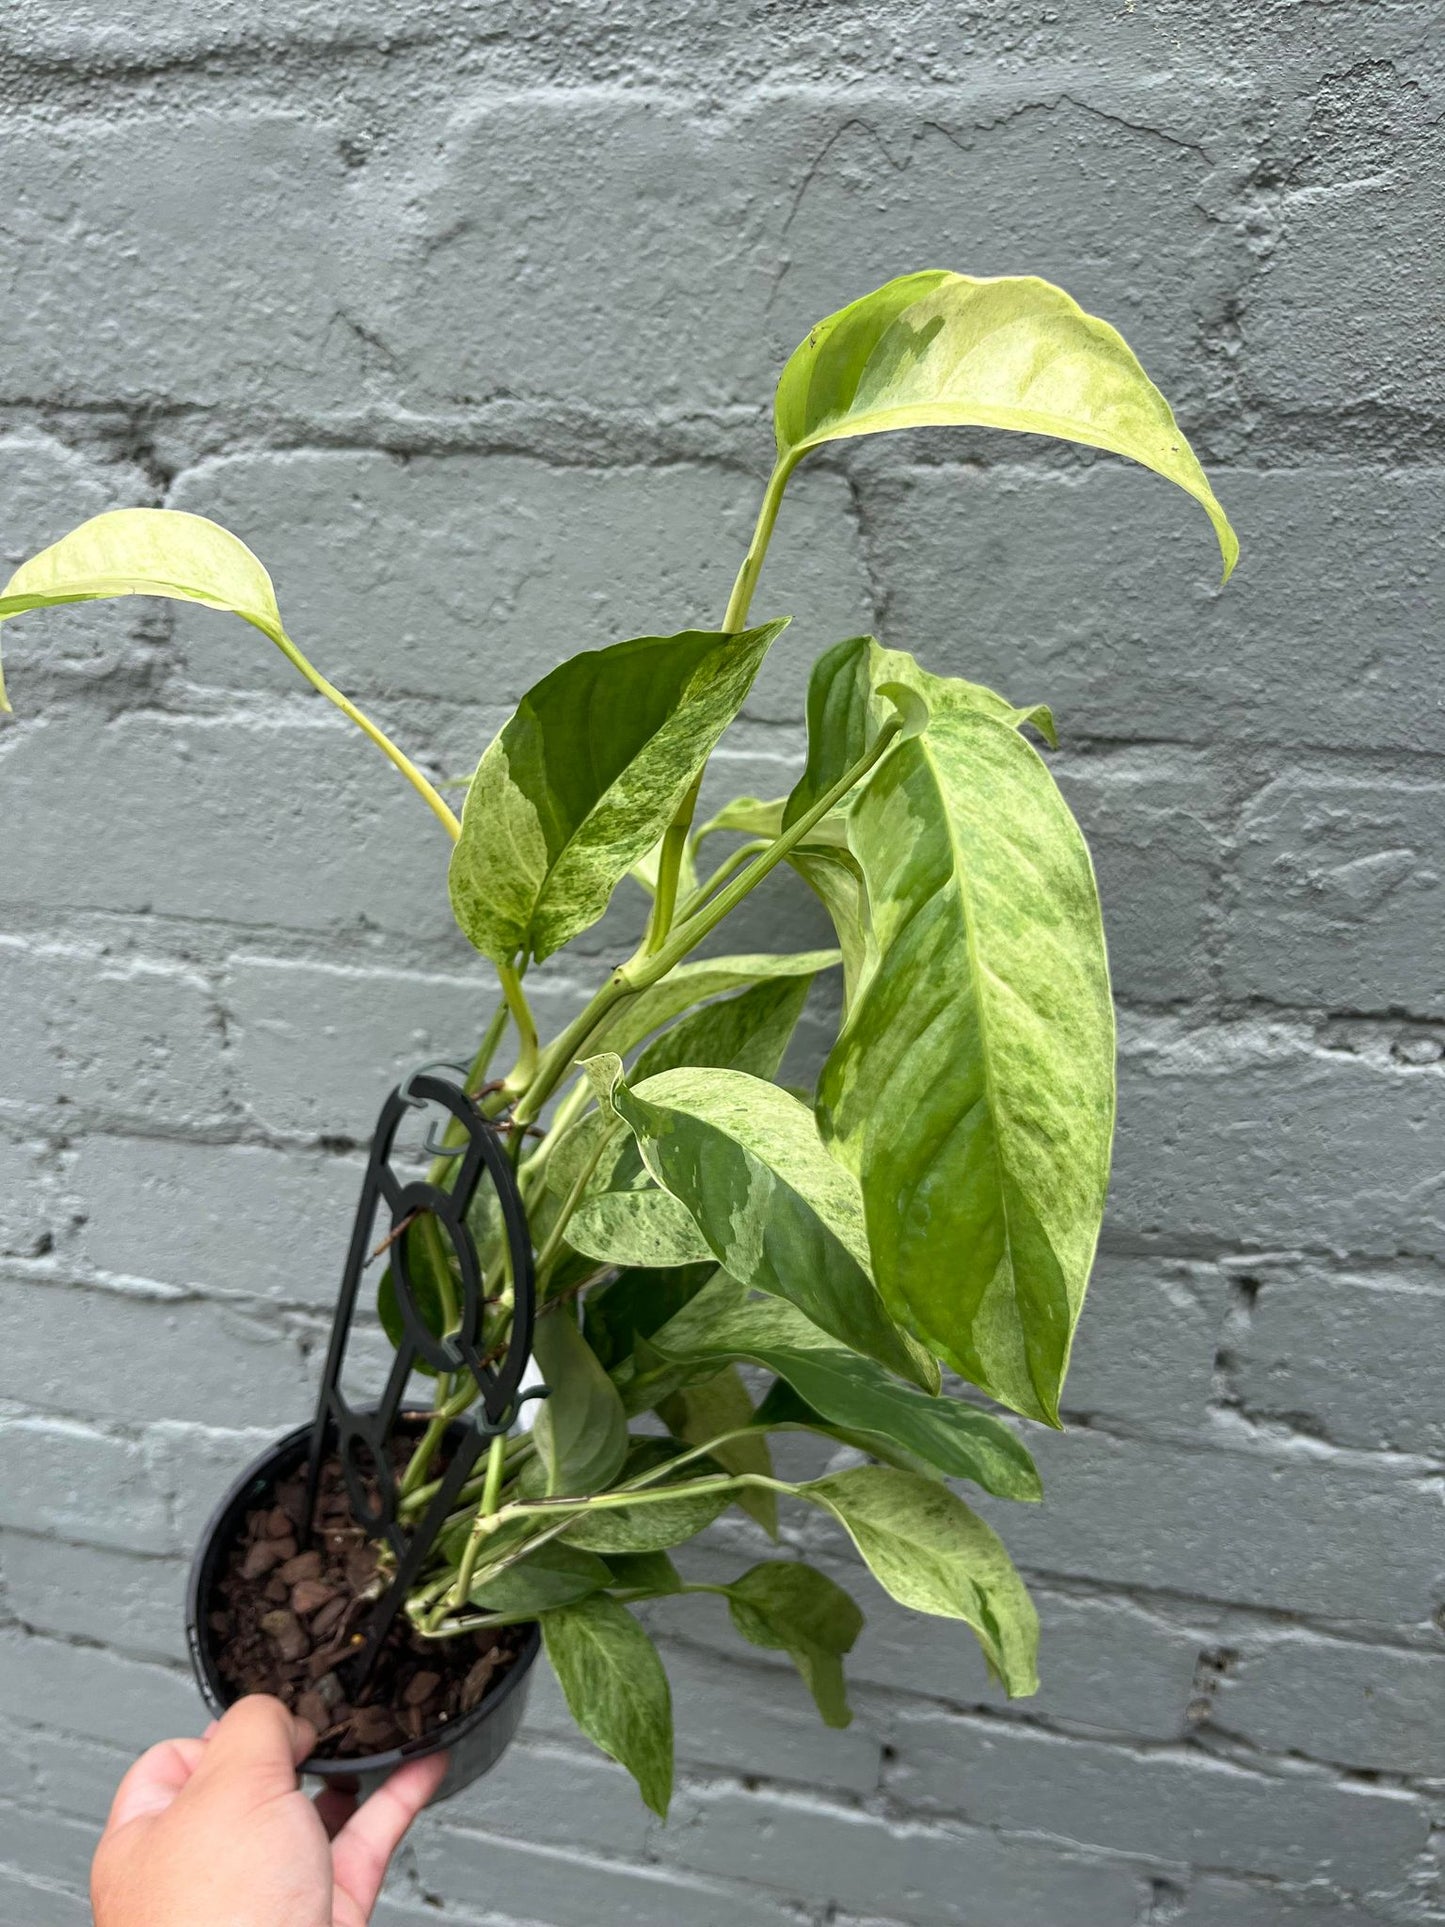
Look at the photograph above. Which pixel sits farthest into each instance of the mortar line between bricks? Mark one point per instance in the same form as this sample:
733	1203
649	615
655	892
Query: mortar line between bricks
78	935
1233	1751
565	433
1234	1430
883	1805
254	706
832	1801
79	1642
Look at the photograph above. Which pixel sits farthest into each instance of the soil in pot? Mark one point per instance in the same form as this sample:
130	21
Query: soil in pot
283	1616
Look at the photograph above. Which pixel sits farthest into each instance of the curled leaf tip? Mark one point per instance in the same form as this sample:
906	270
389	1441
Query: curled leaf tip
604	1074
909	705
1011	352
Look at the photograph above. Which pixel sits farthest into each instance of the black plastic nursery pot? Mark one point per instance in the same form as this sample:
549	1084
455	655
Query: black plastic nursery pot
473	1743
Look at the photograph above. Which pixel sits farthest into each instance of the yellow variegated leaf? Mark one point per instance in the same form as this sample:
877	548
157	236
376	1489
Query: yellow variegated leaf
1015	352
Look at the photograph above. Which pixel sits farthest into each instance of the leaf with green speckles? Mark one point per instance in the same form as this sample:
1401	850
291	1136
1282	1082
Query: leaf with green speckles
850	1394
778	1212
972	1088
801	1612
692	984
584	778
927	1549
616	1689
1013	352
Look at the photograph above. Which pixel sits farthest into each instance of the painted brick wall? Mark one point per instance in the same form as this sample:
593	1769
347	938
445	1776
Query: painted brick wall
465	315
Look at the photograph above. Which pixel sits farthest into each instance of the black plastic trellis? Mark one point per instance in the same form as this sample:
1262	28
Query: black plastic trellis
361	1436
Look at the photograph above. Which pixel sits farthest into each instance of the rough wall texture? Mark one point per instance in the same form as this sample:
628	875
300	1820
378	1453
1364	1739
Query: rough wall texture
465	313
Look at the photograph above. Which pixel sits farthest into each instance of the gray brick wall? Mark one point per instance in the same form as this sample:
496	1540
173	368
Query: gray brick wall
466	316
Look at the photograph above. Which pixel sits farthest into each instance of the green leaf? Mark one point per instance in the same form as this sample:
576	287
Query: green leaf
581	1430
616	1689
649	1572
794	1609
783	1410
624	1218
779	1213
840	721
930	1552
972	1088
853	688
160	552
637	1227
700	1413
660	1523
1010	352
584	778
745	816
694	983
847	703
748	1033
852	1393
554	1575
833	874
635	1304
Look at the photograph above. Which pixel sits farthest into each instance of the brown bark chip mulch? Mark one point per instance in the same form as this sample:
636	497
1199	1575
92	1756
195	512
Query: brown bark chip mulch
284	1616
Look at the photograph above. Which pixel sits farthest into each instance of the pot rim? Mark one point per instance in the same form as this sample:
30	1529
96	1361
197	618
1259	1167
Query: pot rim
201	1647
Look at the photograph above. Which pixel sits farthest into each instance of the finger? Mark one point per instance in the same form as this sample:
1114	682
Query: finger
154	1781
360	1852
258	1740
334	1808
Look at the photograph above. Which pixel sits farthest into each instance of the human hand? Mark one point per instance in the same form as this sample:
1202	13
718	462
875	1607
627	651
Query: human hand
217	1830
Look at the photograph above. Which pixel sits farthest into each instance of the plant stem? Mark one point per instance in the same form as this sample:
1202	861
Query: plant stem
740	601
735	617
425	1608
669	868
525	1068
368	728
430	1439
440	1169
697	1452
571	1107
641	971
728	867
448	1405
691	932
627	1495
485	1521
559	1054
518	1451
484	1622
547	1256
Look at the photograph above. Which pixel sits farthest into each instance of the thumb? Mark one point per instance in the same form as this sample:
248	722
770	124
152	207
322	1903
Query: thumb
154	1781
257	1745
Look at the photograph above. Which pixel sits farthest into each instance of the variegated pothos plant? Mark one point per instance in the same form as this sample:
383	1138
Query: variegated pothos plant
721	1257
